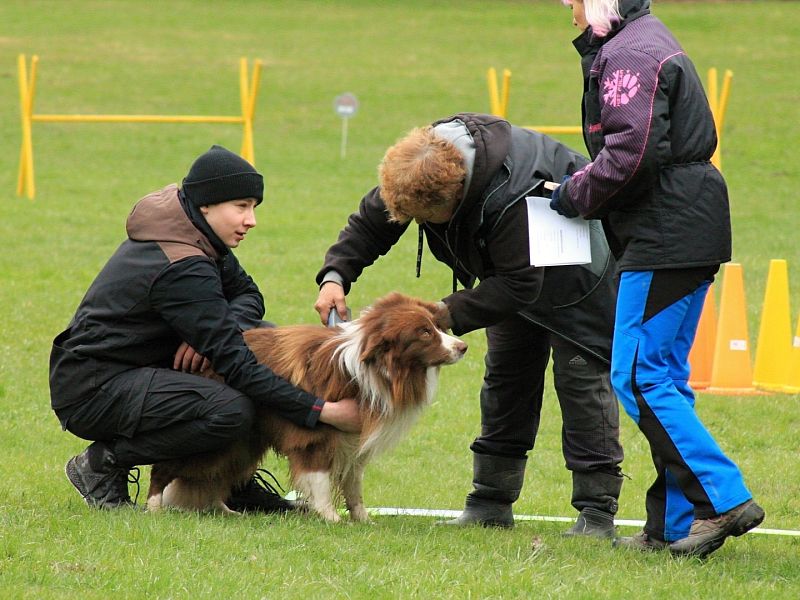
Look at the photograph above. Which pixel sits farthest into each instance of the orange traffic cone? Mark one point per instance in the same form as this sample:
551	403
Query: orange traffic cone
775	334
731	372
701	356
793	376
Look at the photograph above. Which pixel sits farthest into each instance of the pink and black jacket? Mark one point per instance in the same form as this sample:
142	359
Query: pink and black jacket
650	134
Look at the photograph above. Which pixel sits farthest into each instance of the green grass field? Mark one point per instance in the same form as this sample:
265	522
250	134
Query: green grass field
409	63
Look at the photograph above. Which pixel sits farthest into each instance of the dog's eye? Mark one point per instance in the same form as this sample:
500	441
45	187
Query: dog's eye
425	332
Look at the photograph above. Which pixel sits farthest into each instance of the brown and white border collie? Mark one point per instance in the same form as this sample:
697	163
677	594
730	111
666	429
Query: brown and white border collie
388	360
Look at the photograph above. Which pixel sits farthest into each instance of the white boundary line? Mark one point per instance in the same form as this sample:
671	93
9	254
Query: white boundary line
444	513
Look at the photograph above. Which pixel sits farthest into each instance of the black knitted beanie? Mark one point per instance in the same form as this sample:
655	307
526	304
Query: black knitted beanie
219	175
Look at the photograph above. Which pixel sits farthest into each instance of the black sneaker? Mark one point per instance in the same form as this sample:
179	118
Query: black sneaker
259	495
99	479
707	535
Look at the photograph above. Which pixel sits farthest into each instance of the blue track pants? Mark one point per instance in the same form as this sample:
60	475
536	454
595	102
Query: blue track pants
654	331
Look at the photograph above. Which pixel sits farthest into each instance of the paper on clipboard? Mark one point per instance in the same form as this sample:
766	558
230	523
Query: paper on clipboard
555	240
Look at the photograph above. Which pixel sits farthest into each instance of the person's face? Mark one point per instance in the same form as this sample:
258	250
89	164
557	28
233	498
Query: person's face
578	16
438	214
231	220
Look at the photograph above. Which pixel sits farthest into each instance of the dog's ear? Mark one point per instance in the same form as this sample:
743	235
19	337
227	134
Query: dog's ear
372	349
371	324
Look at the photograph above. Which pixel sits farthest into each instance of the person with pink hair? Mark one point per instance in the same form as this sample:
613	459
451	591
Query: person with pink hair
664	207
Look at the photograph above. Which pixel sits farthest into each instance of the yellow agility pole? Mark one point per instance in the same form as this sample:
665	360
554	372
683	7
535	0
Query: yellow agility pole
556	129
498	100
78	118
494	99
25	181
718	101
27	87
248	100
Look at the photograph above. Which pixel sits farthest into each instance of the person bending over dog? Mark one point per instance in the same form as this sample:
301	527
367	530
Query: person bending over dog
464	180
172	300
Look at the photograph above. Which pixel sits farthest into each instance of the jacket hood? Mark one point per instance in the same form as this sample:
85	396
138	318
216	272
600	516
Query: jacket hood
160	217
629	10
484	141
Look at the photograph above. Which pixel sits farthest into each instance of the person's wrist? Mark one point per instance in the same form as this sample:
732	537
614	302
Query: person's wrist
443	318
328	413
332	277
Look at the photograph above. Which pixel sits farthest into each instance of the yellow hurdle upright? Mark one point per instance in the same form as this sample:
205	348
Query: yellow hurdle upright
248	91
498	100
718	101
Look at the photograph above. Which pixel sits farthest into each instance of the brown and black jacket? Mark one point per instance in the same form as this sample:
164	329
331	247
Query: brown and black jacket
486	242
171	281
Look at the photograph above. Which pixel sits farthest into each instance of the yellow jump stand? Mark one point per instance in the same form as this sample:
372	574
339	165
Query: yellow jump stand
718	101
248	90
498	100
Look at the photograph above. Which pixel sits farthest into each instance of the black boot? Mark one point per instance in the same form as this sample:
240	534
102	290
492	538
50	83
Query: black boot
497	482
259	495
98	477
595	495
593	523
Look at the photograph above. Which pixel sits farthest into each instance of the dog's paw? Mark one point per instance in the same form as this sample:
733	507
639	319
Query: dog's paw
331	516
358	514
154	504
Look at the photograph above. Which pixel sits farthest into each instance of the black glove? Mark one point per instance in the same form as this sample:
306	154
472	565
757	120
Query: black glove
565	209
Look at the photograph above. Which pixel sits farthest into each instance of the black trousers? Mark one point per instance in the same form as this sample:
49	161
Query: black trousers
511	398
149	415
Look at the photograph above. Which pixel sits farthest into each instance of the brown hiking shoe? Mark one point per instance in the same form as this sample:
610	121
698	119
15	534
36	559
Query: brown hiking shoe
707	535
640	541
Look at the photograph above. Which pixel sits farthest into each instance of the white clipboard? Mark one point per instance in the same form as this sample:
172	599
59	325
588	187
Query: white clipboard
555	240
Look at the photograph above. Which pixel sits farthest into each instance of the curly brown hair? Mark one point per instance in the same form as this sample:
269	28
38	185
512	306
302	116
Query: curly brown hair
420	174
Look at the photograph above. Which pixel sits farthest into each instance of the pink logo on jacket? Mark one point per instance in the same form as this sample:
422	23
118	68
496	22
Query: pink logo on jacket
620	87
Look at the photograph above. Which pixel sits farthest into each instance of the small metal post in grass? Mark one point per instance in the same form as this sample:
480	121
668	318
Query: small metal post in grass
345	105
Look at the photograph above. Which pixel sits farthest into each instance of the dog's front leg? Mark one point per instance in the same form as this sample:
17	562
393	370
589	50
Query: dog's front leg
351	488
315	486
159	479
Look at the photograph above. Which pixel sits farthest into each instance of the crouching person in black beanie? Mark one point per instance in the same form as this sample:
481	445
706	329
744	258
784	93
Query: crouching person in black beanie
172	300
